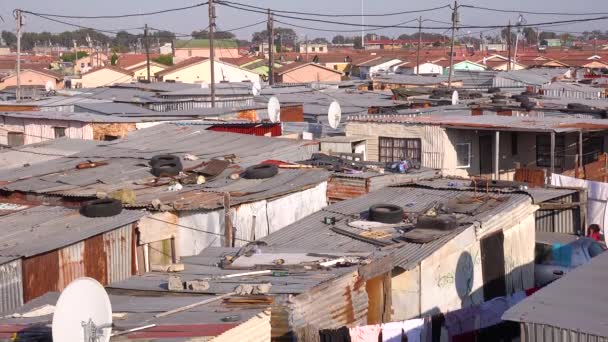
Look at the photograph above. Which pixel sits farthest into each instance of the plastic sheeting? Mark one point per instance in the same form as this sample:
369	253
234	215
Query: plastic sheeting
597	196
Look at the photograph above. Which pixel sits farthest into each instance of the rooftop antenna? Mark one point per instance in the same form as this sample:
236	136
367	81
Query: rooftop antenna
274	109
83	313
334	114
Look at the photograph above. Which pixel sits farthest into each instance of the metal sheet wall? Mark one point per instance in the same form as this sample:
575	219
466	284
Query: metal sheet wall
11	286
71	264
118	249
566	221
259	130
531	332
40	275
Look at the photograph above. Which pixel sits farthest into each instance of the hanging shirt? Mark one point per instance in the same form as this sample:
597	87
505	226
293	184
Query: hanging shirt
334	335
394	332
367	333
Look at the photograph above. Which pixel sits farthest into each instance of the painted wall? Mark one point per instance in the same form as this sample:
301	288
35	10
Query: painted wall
309	73
103	77
31	78
142	71
40	130
85	64
200	73
183	54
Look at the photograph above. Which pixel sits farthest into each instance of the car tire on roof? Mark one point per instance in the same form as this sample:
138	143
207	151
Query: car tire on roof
167	169
106	207
386	213
164	158
261	171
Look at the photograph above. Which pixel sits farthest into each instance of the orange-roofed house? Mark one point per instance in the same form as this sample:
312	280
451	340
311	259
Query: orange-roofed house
33	77
298	72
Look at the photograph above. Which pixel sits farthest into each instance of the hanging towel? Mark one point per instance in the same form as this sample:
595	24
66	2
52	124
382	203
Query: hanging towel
393	332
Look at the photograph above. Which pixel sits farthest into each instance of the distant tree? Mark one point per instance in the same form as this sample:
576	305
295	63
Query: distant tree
204	34
504	34
114	58
566	38
287	35
9	38
531	35
71	57
547	35
406	36
164	59
339	39
320	41
357	42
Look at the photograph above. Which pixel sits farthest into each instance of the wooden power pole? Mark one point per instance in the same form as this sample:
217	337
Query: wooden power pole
19	19
509	45
270	49
212	50
419	44
455	20
147	44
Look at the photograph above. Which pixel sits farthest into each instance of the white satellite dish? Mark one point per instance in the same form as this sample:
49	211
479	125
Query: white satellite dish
83	313
274	109
256	88
334	114
455	97
49	86
204	85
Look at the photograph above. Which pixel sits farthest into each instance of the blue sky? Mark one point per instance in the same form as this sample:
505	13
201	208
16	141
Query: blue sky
228	18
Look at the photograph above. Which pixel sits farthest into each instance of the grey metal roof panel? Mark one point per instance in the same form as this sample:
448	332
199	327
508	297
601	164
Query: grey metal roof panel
109	108
575	302
41	152
532	76
413	79
41	229
81	117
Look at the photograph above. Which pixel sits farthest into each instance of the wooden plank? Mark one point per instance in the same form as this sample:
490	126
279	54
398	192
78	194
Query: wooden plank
228	236
376	268
558	206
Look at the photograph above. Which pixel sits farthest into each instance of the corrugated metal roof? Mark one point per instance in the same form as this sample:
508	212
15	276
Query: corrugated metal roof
41	229
128	166
312	233
536	77
80	117
575	302
491	122
413	79
44	151
108	108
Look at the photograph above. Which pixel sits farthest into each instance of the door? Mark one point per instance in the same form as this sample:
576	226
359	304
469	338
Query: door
485	155
493	266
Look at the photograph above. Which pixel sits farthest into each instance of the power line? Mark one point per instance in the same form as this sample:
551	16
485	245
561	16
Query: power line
413	27
85	27
119	15
350	31
337	15
195	229
530	12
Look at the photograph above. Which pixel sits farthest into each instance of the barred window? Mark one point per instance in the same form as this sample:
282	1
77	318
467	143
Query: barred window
396	149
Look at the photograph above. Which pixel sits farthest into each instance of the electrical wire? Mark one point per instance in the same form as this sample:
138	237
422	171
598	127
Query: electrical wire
350	31
119	15
195	229
336	15
86	27
531	12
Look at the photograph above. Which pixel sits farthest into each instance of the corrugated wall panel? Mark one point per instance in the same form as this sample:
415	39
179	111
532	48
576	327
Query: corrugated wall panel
11	286
532	332
117	246
71	264
95	262
40	275
566	221
339	189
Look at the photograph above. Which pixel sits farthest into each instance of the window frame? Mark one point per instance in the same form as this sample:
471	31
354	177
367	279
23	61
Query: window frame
469	145
55	130
407	150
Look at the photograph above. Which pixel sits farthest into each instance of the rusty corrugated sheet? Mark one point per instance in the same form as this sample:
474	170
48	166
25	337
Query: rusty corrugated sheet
257	129
292	113
71	264
11	286
40	275
95	262
118	250
340	302
339	189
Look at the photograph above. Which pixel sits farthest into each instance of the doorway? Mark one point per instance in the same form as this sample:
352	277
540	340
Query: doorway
486	165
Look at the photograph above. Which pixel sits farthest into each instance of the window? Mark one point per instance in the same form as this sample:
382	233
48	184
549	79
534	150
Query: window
514	144
593	147
543	151
82	65
320	48
463	155
59	132
15	139
313	49
396	149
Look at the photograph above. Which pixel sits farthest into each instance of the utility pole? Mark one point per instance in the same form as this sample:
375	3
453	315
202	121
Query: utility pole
270	49
455	21
19	20
147	52
75	56
362	27
509	45
419	44
212	49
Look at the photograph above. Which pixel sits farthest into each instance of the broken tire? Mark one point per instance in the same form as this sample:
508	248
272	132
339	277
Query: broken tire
164	159
102	208
261	171
386	213
167	169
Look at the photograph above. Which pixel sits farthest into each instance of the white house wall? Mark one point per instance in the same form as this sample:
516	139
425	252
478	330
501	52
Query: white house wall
206	229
